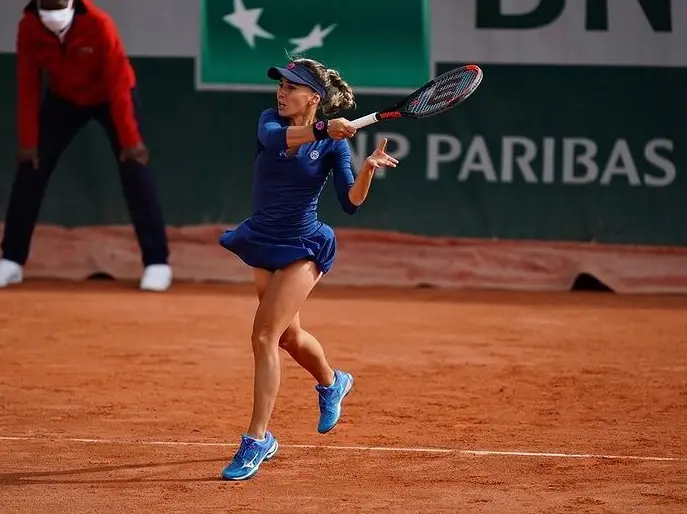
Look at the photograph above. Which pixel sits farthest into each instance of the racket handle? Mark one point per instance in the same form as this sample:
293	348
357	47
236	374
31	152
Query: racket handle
365	121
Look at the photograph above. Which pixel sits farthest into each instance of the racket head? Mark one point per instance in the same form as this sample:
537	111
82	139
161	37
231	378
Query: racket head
438	95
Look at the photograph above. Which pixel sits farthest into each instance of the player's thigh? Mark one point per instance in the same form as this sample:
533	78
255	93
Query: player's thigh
281	300
290	337
261	278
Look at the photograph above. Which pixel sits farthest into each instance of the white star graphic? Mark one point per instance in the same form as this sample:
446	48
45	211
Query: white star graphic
246	20
313	40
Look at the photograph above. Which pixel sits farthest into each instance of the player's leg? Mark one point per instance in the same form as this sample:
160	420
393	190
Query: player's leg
59	121
140	194
285	293
287	290
302	346
306	350
332	385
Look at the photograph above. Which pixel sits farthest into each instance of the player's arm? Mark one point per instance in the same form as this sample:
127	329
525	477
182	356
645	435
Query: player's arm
361	186
115	65
28	95
274	135
344	181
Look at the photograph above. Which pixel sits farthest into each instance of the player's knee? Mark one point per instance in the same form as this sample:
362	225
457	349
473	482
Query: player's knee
263	339
290	339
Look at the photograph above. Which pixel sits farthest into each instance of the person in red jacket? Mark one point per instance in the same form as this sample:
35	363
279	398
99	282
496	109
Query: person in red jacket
77	46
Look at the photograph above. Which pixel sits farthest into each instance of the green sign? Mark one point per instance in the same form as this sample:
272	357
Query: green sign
240	39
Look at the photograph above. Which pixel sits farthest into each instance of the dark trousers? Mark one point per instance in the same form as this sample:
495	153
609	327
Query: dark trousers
59	122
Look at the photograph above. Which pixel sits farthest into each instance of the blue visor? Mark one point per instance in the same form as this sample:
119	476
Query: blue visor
298	74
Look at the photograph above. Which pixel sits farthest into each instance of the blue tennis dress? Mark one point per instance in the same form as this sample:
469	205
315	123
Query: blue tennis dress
283	226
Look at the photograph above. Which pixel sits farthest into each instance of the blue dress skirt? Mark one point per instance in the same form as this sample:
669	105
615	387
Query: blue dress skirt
269	252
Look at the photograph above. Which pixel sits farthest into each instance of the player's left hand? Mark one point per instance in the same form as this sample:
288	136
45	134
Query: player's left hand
380	159
138	153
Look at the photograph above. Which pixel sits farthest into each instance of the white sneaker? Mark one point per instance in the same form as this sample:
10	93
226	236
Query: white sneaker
156	277
10	273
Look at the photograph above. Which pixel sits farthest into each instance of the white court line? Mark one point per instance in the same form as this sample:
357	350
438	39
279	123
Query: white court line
456	451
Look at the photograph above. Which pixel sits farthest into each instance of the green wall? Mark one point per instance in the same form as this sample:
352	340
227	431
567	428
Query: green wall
202	145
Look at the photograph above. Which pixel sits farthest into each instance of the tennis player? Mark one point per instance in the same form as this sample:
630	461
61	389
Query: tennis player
76	45
286	244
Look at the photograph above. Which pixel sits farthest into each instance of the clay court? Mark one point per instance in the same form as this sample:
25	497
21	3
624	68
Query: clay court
115	400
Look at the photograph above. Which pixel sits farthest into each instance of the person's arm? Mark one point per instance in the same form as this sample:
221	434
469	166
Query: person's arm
361	187
28	92
356	191
344	181
275	136
271	133
116	71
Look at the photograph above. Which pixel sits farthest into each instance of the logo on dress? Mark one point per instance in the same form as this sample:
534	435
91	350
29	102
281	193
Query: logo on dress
314	155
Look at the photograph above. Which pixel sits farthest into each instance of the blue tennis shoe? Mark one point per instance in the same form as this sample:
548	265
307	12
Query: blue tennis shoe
251	453
331	398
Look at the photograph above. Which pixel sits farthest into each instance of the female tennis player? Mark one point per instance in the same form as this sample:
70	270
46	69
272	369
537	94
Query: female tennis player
286	244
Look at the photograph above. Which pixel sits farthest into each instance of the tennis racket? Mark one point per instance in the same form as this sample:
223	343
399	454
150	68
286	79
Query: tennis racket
438	95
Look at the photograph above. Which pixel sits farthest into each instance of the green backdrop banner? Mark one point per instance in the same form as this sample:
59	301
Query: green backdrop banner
539	152
238	47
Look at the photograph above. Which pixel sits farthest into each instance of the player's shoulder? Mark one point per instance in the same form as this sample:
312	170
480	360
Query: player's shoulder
341	146
271	114
333	150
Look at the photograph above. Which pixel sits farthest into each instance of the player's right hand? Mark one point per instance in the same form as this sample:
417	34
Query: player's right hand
340	128
28	155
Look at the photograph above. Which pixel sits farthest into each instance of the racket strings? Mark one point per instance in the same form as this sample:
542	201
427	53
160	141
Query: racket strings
443	93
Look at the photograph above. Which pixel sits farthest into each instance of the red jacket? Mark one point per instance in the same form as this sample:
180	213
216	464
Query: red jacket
89	68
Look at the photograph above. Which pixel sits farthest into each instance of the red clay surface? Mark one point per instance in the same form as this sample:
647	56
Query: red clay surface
525	372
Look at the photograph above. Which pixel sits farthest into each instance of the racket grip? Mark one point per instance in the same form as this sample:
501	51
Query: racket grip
365	121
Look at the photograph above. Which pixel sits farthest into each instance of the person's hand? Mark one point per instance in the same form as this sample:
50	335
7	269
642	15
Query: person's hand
138	153
380	159
340	128
28	155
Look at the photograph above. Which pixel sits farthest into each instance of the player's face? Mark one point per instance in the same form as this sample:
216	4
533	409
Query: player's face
53	5
294	99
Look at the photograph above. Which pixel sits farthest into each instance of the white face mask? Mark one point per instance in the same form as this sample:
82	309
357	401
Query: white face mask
58	21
